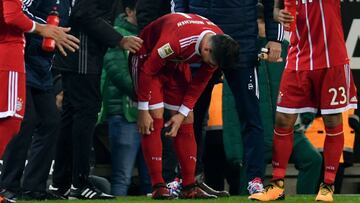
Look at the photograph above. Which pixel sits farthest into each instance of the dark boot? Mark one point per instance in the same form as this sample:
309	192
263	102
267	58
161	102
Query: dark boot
161	192
193	191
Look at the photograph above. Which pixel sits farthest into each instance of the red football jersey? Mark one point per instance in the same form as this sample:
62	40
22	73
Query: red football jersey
13	24
319	39
175	38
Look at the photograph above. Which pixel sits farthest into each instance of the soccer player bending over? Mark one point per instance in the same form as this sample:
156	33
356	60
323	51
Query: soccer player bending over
162	79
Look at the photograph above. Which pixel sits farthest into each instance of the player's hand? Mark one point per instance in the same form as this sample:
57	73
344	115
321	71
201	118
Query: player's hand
274	54
175	122
59	34
131	43
284	17
145	122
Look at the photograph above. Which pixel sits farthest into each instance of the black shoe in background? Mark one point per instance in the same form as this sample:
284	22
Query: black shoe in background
88	191
211	191
58	192
39	195
8	196
200	181
193	191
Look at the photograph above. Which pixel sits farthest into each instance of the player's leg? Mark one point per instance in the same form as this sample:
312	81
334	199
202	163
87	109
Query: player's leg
293	98
151	144
282	149
184	142
338	94
12	106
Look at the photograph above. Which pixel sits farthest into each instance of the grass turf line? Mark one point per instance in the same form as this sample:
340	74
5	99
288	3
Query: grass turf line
233	199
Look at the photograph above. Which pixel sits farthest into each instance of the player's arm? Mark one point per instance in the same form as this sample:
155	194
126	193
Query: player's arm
274	32
14	16
196	87
87	14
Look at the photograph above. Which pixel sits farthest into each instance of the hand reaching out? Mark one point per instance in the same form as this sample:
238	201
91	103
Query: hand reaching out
131	43
59	34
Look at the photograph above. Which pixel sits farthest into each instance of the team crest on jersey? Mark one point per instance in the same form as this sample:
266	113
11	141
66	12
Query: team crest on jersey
19	104
165	51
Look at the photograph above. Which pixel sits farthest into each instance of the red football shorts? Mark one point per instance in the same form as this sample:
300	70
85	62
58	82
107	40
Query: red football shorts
12	94
332	90
169	86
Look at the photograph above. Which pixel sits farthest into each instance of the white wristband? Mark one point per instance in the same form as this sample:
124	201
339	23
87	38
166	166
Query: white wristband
184	110
143	105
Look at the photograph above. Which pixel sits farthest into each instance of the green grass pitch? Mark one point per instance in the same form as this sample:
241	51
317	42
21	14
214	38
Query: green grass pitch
234	199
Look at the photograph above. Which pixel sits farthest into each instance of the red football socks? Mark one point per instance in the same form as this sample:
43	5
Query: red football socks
185	148
282	148
333	146
152	150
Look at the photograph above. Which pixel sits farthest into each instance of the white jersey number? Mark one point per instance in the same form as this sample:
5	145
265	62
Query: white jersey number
335	92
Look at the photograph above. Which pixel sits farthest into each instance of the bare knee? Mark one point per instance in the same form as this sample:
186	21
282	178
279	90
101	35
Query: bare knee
157	113
283	120
332	120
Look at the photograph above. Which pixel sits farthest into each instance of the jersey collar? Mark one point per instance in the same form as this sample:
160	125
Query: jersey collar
201	36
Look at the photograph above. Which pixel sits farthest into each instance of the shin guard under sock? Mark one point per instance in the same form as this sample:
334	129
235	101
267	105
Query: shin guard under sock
185	148
152	150
282	148
333	147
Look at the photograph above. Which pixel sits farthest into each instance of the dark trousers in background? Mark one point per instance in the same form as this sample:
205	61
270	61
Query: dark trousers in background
243	85
216	167
41	114
81	104
201	115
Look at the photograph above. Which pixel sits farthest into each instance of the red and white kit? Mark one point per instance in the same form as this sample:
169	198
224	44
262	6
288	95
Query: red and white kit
13	23
317	74
161	71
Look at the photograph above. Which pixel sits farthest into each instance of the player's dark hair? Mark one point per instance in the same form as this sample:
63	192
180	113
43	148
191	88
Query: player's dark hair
225	50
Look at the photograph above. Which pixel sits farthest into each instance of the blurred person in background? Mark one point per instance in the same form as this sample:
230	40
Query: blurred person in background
149	10
120	111
91	21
